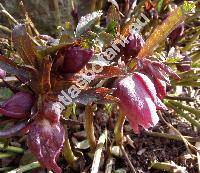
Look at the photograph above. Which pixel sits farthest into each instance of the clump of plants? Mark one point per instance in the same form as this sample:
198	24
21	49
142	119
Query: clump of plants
79	63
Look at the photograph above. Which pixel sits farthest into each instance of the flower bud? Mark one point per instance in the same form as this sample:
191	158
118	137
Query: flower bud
132	49
177	33
18	106
75	58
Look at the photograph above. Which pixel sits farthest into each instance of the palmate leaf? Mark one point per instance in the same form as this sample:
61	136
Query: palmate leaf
24	45
87	21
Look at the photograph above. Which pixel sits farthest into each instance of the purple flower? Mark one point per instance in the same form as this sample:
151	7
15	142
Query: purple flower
138	101
45	140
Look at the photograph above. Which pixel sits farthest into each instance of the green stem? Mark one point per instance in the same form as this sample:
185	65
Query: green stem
182	114
173	137
118	130
187	108
98	152
4	28
26	167
6	155
89	127
12	149
67	151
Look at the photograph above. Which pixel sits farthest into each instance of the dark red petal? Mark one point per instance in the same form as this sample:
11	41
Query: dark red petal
46	140
18	106
150	89
137	102
166	69
155	72
160	88
75	58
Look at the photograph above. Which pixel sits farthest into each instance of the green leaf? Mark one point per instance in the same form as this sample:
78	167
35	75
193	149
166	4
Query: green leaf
111	28
44	51
5	93
161	32
86	22
173	59
159	6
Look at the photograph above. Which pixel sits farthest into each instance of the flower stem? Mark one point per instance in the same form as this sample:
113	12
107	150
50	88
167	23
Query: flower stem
119	135
93	5
67	151
89	127
118	130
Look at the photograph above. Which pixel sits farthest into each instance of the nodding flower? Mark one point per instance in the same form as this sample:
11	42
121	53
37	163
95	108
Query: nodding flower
45	140
138	101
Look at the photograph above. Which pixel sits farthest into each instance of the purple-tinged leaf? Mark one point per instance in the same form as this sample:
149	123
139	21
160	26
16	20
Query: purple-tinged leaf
11	67
24	45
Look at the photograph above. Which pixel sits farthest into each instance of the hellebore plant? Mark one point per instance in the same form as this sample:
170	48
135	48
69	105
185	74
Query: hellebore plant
49	69
37	103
